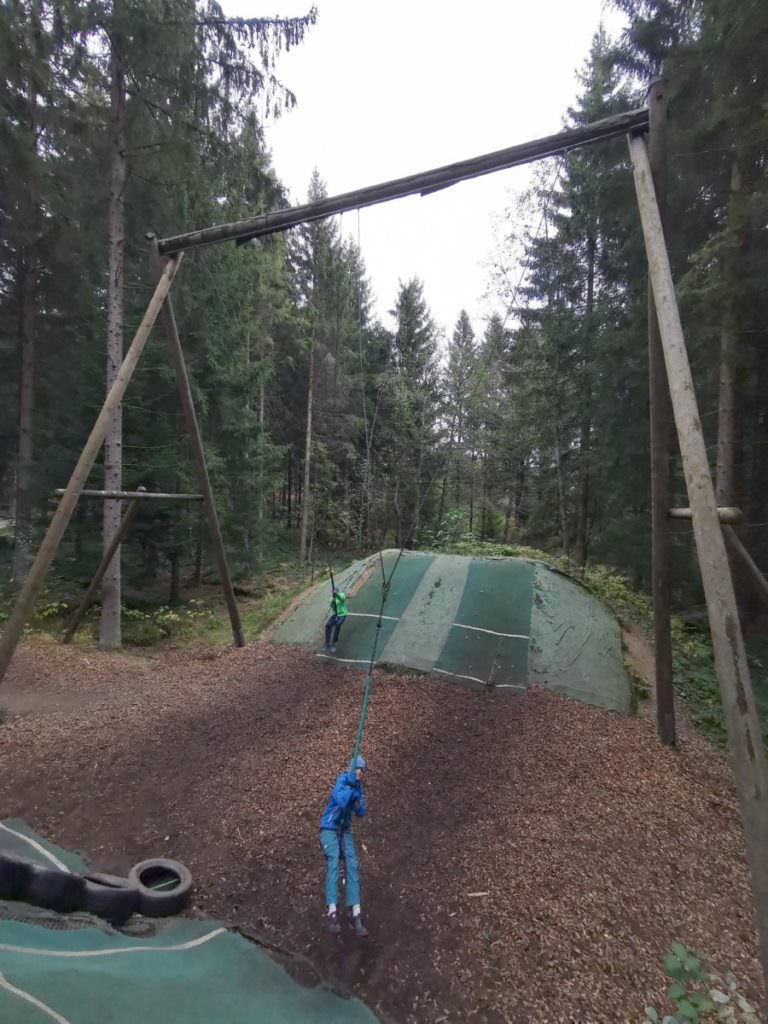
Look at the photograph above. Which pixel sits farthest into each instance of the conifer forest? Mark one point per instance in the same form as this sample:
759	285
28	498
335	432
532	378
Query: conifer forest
326	427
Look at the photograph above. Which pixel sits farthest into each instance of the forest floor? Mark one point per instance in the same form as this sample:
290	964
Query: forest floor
524	859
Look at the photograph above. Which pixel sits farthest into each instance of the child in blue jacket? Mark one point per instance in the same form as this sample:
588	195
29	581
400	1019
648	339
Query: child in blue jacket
337	842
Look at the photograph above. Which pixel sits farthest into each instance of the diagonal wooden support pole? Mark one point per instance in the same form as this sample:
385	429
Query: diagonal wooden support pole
740	554
114	545
201	469
745	739
47	551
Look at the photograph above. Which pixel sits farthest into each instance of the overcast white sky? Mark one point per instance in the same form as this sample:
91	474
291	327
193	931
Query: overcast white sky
389	88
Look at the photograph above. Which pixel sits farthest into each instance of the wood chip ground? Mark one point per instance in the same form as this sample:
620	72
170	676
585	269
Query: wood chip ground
524	860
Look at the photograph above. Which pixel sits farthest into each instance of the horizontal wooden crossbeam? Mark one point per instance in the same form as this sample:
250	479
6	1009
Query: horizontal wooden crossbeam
422	183
727	515
118	495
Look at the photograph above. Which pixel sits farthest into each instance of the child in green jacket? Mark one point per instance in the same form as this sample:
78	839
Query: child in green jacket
336	621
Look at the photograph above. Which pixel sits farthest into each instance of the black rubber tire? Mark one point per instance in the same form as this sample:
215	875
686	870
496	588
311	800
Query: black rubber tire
54	889
158	902
15	873
110	897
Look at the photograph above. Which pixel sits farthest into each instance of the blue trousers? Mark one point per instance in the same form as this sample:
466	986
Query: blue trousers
332	845
333	625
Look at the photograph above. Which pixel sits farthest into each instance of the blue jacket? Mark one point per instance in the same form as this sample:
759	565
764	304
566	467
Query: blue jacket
346	796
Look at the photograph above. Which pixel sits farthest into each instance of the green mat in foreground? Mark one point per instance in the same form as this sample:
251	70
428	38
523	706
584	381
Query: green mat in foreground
65	969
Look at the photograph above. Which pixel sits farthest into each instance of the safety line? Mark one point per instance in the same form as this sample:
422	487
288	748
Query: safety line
493	632
114	952
40	849
29	998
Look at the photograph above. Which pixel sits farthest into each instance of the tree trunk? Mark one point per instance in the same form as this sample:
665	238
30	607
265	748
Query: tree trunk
727	420
347	508
260	524
398	517
109	629
174	592
311	544
582	516
412	538
473	459
27	287
560	494
458	453
728	433
26	282
729	480
485	519
444	487
520	491
305	497
367	486
199	552
247	503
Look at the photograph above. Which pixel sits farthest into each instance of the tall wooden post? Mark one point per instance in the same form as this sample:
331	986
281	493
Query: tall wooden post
661	423
745	738
47	551
112	549
201	469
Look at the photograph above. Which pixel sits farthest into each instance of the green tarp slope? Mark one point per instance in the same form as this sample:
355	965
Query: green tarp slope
576	643
481	622
75	970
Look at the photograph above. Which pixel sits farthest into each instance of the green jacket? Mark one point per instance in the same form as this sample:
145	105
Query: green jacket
339	604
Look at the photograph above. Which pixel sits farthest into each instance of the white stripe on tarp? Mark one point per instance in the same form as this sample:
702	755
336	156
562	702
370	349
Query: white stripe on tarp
508	686
115	952
27	997
372	615
348	661
493	632
458	675
40	849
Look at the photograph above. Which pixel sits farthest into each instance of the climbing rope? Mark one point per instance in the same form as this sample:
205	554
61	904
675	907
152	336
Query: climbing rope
386	583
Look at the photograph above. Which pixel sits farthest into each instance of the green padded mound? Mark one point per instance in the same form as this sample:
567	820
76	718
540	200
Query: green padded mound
500	623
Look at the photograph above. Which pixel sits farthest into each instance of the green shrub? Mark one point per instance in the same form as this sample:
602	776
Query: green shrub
144	628
698	995
139	629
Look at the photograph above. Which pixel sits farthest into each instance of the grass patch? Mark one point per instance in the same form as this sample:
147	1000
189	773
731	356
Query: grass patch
201	618
256	616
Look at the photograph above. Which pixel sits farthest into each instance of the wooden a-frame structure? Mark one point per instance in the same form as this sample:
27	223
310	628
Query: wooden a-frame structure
672	398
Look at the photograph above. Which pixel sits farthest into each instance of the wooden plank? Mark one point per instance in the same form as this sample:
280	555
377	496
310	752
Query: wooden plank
745	739
133	495
421	183
201	469
114	545
725	514
661	430
47	551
